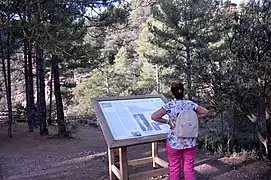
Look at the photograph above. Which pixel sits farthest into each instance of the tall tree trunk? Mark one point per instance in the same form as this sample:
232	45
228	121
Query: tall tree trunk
41	92
51	99
38	121
188	71
59	104
26	77
261	114
7	82
30	85
9	101
268	126
157	78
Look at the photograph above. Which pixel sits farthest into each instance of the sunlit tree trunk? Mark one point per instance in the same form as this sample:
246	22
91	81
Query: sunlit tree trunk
188	71
268	126
50	99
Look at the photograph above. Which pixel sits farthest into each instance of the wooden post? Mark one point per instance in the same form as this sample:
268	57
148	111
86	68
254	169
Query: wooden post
154	154
111	163
123	163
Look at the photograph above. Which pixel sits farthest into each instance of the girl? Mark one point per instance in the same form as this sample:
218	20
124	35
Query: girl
181	151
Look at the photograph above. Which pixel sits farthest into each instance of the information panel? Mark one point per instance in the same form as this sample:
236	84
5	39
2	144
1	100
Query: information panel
127	120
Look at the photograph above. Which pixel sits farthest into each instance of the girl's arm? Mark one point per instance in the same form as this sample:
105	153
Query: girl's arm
202	112
158	117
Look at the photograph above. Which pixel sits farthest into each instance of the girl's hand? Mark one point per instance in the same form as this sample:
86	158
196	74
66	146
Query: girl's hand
171	125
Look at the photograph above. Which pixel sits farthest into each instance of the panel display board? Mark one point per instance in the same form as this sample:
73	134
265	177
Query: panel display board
127	120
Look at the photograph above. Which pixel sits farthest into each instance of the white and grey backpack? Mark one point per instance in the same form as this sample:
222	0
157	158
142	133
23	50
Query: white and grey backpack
186	124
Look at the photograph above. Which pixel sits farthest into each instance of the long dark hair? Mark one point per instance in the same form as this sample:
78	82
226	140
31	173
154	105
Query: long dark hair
177	89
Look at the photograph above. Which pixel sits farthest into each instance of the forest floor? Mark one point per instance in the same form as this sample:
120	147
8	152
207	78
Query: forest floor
29	156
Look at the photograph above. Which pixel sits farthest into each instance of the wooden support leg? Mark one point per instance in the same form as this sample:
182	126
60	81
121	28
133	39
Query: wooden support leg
123	163
111	163
154	154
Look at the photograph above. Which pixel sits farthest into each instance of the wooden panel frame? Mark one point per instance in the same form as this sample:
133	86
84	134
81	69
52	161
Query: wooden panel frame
111	142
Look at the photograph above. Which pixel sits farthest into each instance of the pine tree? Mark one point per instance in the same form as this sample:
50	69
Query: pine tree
182	30
126	69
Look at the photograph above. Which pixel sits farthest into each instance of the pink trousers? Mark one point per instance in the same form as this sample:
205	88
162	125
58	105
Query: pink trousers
181	160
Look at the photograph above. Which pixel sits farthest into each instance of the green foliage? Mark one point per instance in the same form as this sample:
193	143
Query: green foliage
146	83
126	68
93	87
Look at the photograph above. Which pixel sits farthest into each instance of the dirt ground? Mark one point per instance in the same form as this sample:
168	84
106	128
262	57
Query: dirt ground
28	156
